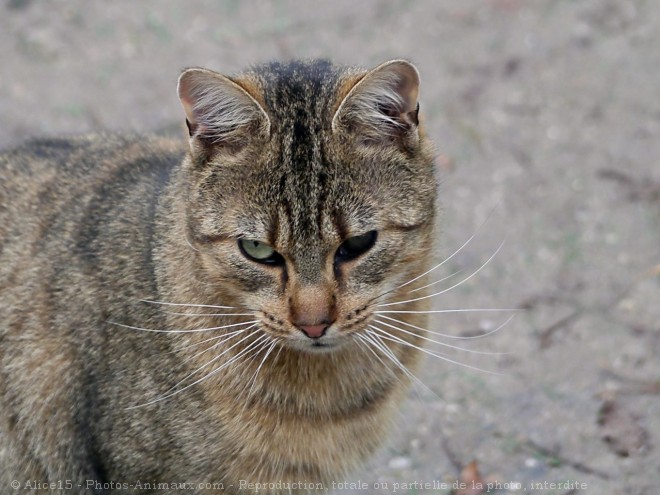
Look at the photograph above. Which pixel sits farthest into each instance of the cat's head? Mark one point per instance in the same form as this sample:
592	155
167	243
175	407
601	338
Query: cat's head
310	192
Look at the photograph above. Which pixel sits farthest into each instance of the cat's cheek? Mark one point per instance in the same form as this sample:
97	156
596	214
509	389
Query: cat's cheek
371	275
222	264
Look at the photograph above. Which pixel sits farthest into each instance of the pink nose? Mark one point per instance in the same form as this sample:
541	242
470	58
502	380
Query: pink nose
313	331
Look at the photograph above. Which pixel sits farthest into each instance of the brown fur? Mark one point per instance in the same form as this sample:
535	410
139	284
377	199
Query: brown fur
92	227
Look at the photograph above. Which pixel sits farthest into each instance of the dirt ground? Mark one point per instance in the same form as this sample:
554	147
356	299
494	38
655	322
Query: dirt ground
545	113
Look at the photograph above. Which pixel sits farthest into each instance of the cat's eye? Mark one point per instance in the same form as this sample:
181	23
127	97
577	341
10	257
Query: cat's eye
353	247
259	252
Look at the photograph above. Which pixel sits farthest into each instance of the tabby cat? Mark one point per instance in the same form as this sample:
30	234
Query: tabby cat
205	314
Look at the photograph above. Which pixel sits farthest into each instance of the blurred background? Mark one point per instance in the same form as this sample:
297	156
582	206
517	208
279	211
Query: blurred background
545	113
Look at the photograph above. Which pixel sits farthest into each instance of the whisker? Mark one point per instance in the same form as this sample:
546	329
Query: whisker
210	329
190	244
225	335
439	264
163	303
450	288
206	314
370	301
209	348
445	335
213	347
268	343
248	349
426	272
485	353
253	379
205	377
371	339
376	339
387	336
367	346
453	254
436	282
429	311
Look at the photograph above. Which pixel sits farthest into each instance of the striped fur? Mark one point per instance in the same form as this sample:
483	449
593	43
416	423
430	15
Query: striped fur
139	343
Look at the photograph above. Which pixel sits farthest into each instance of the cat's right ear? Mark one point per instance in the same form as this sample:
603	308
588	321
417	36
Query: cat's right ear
219	112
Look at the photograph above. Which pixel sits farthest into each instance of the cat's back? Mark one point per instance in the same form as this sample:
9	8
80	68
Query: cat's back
64	200
49	183
49	166
26	172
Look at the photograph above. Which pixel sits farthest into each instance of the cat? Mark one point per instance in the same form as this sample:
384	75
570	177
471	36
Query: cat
205	312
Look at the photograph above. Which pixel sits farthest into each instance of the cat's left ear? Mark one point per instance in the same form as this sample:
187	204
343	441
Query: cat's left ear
220	112
382	105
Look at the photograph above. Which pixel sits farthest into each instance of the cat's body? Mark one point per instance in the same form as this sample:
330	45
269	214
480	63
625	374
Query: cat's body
97	232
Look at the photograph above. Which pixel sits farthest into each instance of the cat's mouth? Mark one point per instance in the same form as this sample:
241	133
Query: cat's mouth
322	346
336	336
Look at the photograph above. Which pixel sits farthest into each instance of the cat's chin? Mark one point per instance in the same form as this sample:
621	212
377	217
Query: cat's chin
318	346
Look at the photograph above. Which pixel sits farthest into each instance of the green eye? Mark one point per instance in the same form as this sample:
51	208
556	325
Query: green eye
353	247
259	252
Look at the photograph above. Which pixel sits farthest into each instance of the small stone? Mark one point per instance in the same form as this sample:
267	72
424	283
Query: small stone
486	325
400	463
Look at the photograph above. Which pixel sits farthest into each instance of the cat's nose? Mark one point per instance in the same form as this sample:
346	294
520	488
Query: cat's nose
314	331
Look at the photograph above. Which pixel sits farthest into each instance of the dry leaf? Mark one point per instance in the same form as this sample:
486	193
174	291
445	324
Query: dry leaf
470	481
655	271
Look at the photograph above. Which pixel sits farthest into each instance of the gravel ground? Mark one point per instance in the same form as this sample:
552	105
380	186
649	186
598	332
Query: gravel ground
547	123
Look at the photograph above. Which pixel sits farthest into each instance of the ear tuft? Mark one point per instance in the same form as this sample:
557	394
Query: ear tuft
383	104
217	109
